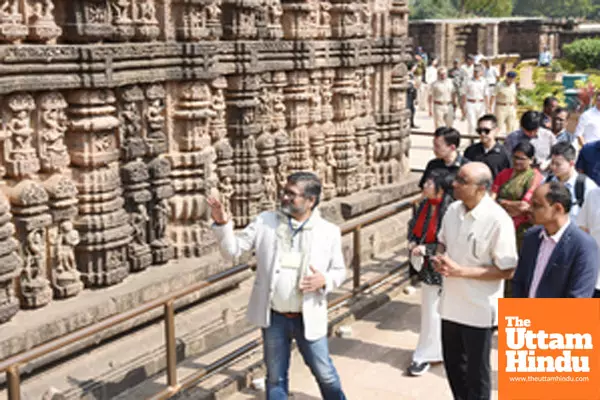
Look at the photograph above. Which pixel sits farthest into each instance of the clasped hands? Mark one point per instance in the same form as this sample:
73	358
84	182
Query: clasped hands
446	266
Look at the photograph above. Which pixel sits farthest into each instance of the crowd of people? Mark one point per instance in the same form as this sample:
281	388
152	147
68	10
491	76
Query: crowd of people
518	218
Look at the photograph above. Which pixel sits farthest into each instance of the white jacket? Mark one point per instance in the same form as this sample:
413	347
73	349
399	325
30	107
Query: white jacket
262	235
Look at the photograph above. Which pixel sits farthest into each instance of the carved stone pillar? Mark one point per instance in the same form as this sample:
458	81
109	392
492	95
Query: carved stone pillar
297	110
401	119
366	133
194	169
10	263
243	128
162	191
327	130
136	182
18	152
31	218
240	18
63	237
268	19
344	147
220	142
198	20
399	18
12	22
316	134
102	222
52	123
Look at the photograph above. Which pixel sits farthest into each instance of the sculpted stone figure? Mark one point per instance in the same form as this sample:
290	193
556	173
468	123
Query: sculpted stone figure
270	185
147	11
9	8
156	119
34	248
121	8
138	220
226	189
20	129
131	120
68	238
162	210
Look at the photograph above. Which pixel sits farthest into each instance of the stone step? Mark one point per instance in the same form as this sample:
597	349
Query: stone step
234	380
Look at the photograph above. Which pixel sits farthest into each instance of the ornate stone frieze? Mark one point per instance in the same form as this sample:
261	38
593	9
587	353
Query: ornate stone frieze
10	263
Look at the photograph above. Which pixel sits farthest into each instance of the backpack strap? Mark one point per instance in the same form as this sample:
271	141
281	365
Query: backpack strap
580	189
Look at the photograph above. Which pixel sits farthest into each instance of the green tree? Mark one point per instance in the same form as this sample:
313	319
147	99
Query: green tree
485	8
553	8
431	9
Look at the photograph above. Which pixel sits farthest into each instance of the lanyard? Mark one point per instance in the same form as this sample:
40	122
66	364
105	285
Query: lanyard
295	231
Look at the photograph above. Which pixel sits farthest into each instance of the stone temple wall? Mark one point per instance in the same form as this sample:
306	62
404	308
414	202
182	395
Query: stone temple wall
119	117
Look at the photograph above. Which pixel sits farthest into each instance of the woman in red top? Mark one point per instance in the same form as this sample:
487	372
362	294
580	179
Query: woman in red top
514	187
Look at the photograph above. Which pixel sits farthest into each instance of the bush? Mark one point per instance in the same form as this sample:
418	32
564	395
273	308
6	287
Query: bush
584	53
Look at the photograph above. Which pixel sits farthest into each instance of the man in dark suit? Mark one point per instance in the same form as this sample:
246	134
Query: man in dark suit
557	258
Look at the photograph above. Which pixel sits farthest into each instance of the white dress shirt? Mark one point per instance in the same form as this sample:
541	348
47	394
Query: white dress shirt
589	125
484	236
589	218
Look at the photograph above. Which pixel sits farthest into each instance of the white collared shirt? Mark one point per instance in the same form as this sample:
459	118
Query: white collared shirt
481	237
588	185
589	125
589	218
544	253
287	296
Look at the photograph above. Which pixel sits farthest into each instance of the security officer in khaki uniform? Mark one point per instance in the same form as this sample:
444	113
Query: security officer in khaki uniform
506	104
475	99
442	99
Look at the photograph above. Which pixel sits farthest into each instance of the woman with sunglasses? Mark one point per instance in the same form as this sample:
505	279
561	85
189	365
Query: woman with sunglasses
514	187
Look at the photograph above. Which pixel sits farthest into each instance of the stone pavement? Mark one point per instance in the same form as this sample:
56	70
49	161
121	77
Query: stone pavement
372	362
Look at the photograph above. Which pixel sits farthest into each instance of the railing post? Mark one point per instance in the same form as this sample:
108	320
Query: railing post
171	344
14	383
356	259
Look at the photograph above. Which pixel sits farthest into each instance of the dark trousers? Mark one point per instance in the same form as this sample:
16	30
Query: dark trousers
597	294
467	360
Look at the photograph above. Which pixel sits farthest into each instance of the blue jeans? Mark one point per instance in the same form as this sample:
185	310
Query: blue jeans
277	350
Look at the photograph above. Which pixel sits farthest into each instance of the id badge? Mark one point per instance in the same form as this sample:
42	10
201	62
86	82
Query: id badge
291	260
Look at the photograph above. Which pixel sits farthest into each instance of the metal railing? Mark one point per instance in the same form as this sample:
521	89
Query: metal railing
11	366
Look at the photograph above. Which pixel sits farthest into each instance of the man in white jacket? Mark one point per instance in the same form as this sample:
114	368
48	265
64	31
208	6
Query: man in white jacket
299	260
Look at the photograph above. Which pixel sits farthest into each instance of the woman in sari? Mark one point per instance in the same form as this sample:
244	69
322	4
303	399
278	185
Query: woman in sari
422	238
514	187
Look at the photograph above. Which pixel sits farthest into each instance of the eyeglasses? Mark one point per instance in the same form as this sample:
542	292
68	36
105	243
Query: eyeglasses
461	181
517	158
289	194
485	131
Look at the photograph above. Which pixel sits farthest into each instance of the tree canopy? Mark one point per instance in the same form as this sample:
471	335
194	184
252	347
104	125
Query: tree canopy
423	9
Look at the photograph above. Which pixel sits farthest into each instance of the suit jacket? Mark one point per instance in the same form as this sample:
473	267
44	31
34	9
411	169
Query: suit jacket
262	235
572	268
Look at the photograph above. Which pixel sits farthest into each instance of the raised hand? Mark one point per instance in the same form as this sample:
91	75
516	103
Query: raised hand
217	212
313	282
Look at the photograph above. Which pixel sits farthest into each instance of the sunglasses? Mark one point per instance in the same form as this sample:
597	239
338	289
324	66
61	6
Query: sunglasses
485	131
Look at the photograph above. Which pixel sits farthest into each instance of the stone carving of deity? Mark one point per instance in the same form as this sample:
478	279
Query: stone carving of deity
34	250
321	169
147	11
9	8
226	189
139	218
121	8
131	121
270	185
20	129
213	11
54	125
68	238
41	11
156	119
282	175
162	210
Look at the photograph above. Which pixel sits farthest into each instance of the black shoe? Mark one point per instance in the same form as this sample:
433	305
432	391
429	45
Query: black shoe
418	369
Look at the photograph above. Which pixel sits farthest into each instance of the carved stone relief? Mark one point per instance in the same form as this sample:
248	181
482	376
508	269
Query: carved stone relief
147	107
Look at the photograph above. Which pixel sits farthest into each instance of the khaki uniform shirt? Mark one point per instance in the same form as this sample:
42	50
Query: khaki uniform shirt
506	94
476	89
442	91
